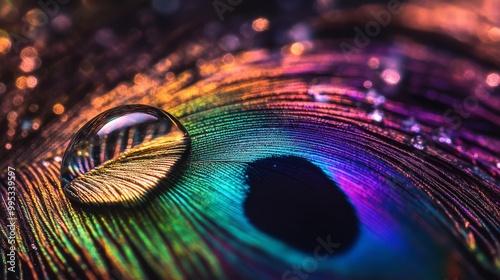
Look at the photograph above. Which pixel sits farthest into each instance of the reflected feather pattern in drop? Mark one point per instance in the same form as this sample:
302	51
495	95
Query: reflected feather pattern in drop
122	154
426	213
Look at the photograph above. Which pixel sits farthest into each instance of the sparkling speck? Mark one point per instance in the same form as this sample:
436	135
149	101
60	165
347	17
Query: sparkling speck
411	125
372	96
441	136
418	142
377	115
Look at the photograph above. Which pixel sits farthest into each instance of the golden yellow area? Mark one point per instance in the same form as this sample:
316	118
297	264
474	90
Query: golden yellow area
157	157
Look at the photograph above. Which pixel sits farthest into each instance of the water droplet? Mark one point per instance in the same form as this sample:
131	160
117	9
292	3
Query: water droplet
411	125
318	91
377	115
375	98
391	76
418	142
121	155
441	136
33	246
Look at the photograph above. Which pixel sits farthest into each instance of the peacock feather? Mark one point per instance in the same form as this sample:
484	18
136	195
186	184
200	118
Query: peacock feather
231	157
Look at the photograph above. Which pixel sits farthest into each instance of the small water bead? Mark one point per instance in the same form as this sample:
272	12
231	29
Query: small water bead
318	92
121	155
411	125
377	115
418	142
440	135
375	98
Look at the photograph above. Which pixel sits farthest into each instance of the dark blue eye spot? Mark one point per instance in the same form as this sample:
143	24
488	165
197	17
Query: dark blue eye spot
294	201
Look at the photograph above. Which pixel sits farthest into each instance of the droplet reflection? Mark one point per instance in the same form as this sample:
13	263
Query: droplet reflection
418	142
122	154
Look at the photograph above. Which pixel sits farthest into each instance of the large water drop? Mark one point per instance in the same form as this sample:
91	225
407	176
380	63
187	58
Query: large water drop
121	155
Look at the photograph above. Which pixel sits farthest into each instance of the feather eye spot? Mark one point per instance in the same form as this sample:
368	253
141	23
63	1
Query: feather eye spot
294	201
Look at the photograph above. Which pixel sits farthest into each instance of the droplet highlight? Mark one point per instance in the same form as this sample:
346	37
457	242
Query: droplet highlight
418	142
440	135
411	125
121	155
377	115
375	98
